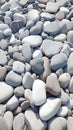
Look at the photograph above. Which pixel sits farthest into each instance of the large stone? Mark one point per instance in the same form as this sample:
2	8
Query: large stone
39	92
51	48
53	87
51	7
33	40
6	91
50	108
31	124
70	64
58	61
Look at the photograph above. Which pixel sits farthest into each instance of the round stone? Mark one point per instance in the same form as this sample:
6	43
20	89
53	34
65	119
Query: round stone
3	58
70	36
25	105
2	73
39	92
69	123
37	54
65	10
3	124
60	38
7	32
51	7
63	111
18	67
70	64
19	91
71	85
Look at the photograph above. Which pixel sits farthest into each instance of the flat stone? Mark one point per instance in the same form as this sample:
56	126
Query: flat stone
6	91
26	52
3	125
53	87
47	69
47	16
60	38
70	37
31	124
50	108
18	56
18	67
37	54
69	123
19	91
12	104
70	64
51	48
8	116
33	15
2	73
51	7
3	58
63	111
52	28
57	123
60	15
27	80
37	65
39	92
58	61
64	80
33	40
71	85
19	122
13	79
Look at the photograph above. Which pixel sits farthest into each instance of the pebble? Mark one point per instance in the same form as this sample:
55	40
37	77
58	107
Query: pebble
33	40
70	64
60	37
19	122
58	61
12	104
23	33
43	1
60	15
26	52
19	91
2	109
63	111
51	7
71	85
66	49
50	108
52	28
31	124
25	105
2	73
37	54
57	123
65	10
18	56
37	65
23	2
27	80
7	32
64	80
3	26
6	91
53	87
3	58
13	79
8	116
69	123
3	124
17	110
48	46
47	16
70	37
18	16
39	92
18	67
59	72
33	15
3	44
5	7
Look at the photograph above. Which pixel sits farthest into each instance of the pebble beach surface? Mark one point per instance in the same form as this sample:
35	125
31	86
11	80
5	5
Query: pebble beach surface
36	64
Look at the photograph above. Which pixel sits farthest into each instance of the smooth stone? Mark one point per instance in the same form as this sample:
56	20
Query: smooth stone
7	20
57	123
18	67
23	33
71	85
25	105
12	104
2	73
37	29
29	24
47	70
53	87
17	110
3	26
63	111
19	91
50	108
60	15
70	36
18	56
60	38
70	103
12	39
13	79
47	16
26	52
66	49
39	92
27	67
2	109
19	122
69	123
3	58
27	80
64	80
58	61
70	15
8	116
1	35
33	40
6	91
3	44
62	2
51	48
33	15
16	25
70	64
31	124
18	16
64	97
59	72
3	124
52	28
65	10
51	7
37	54
7	32
37	65
5	7
23	2
43	1
2	1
